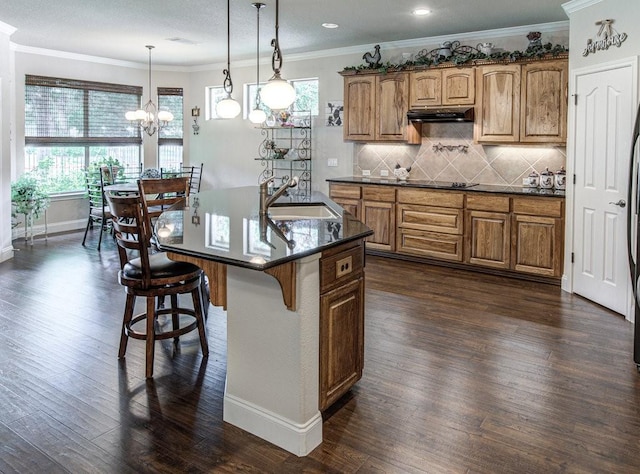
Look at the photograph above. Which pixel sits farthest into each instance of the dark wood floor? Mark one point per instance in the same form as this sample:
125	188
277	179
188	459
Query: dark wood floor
463	373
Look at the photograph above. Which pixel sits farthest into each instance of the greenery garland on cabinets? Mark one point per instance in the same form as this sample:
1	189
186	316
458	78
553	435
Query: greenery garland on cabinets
465	55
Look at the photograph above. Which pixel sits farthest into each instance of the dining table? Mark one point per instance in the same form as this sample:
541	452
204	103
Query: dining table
266	273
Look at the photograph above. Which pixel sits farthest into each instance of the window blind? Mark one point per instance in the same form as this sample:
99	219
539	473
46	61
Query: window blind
170	99
68	111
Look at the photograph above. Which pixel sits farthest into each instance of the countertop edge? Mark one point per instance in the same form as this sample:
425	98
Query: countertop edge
480	188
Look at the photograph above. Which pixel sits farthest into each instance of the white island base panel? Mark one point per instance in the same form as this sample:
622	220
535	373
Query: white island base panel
273	358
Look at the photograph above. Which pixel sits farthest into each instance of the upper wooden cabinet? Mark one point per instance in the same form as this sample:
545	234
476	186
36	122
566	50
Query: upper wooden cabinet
522	103
452	86
375	107
498	111
392	93
359	108
543	110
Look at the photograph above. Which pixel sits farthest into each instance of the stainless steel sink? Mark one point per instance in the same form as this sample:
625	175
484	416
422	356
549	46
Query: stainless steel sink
306	212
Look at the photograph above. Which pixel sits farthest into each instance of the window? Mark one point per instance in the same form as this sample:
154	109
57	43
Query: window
170	137
306	97
70	124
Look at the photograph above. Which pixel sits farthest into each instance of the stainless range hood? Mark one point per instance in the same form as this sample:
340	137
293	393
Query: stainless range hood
441	114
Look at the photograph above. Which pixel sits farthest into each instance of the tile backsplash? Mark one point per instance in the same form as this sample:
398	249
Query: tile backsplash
442	157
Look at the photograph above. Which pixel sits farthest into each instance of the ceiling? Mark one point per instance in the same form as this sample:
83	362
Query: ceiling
194	32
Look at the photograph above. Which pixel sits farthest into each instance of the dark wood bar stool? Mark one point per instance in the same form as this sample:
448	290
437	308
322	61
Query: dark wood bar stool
152	275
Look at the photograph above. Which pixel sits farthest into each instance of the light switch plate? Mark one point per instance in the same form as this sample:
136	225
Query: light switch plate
332	162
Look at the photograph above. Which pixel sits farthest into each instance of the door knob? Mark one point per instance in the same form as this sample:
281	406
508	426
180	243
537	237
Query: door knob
620	203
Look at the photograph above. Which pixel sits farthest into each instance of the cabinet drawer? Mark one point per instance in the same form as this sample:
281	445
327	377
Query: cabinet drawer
344	191
378	193
338	268
428	218
431	198
483	202
538	206
430	244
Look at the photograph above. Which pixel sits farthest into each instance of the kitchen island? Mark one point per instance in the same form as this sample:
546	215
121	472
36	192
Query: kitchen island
293	287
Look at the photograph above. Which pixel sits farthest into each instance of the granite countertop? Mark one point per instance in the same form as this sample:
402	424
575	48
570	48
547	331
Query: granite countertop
224	226
481	188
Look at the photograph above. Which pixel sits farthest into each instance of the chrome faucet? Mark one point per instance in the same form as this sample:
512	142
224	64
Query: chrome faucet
266	200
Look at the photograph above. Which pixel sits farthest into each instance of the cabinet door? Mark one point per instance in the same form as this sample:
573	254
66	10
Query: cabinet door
458	86
380	217
341	340
425	88
359	107
543	109
537	245
488	239
392	99
498	94
350	205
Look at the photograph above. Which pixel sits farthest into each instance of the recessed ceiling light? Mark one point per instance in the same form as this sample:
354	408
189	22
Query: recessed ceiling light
421	11
329	25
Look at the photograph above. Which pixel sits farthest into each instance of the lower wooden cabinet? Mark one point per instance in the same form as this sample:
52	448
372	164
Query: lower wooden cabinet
378	210
537	245
341	321
341	340
379	217
488	241
516	233
348	197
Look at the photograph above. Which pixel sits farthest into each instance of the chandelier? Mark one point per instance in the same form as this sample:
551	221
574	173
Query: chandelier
148	117
277	94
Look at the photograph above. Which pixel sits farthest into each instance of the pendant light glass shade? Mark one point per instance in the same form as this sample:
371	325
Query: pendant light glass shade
277	94
228	108
257	116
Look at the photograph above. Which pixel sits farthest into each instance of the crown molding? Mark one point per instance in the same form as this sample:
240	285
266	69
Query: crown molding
577	5
52	53
7	29
320	54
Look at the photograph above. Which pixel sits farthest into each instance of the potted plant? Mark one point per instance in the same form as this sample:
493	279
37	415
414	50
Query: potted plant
28	197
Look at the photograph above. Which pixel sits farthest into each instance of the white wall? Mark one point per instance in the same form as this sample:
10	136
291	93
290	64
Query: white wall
6	77
228	148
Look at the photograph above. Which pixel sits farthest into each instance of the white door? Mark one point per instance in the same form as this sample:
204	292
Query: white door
604	116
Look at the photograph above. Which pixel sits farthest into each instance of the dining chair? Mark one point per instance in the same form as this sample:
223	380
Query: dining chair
160	194
194	173
152	275
99	212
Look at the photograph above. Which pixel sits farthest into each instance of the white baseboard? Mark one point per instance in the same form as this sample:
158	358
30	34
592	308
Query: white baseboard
6	253
295	438
54	228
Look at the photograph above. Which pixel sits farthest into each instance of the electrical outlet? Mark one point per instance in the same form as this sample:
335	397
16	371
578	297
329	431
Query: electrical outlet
366	172
332	162
384	173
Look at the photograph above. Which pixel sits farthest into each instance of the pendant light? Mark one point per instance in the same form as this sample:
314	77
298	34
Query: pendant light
228	107
277	94
149	118
257	115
